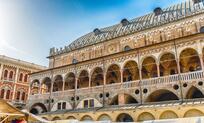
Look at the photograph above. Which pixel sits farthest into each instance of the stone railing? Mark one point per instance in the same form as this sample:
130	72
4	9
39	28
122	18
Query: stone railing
127	85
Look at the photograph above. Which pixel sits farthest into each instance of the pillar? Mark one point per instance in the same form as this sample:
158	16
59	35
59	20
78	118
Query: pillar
1	70
89	81
63	85
121	76
158	70
15	81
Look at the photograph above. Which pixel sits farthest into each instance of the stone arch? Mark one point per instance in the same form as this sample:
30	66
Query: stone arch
38	108
46	85
104	117
83	81
70	81
35	86
71	118
145	116
124	117
128	99
130	71
162	95
86	118
58	83
168	115
193	113
113	74
149	68
97	78
193	93
56	118
167	64
189	60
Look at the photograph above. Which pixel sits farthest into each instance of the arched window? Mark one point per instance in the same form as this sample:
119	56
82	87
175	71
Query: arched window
23	96
5	74
8	94
2	93
21	77
11	75
18	95
26	78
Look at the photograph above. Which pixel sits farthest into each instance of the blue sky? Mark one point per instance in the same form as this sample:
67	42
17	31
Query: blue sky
29	28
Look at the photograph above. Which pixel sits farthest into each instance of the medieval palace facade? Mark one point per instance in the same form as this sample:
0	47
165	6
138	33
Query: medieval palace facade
151	67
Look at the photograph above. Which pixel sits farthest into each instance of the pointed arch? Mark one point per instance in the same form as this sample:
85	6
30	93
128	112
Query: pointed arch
97	78
149	68
189	60
70	81
113	74
83	81
5	74
130	71
193	93
11	75
58	83
2	93
161	95
168	64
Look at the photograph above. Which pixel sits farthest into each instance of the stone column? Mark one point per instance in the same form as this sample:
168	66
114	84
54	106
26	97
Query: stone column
89	81
121	76
140	72
15	81
158	70
63	85
1	70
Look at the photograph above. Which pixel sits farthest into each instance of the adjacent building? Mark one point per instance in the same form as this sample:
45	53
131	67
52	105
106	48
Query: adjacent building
14	79
147	68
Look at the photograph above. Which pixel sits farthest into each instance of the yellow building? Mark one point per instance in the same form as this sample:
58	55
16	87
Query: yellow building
147	68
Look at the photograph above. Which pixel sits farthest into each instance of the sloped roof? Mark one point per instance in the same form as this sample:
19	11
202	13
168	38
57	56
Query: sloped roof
170	14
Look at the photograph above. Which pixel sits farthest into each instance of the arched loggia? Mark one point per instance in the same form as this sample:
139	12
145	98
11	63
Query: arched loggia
70	81
113	74
97	77
126	99
58	83
189	60
168	64
130	71
161	95
38	108
83	81
35	87
149	68
46	85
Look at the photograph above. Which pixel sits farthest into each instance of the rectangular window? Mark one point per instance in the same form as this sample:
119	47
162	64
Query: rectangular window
91	103
64	105
59	106
86	103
